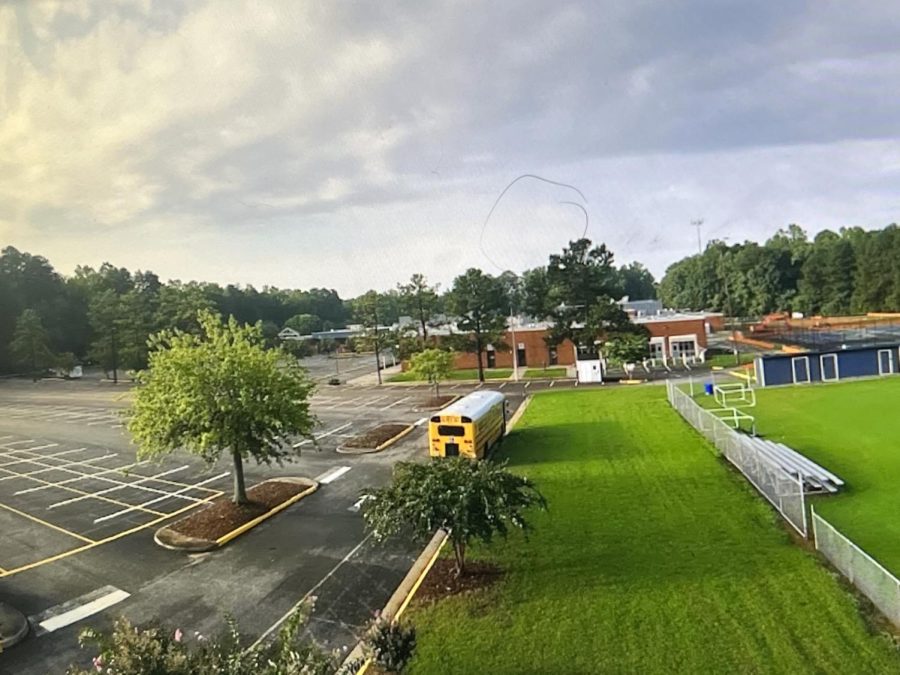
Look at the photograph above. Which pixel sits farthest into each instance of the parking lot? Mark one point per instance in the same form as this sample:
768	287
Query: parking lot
78	512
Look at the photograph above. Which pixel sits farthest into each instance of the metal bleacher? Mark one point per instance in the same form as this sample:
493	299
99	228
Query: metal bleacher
815	478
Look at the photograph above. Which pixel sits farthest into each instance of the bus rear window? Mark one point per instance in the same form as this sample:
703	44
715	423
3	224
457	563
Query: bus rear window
450	430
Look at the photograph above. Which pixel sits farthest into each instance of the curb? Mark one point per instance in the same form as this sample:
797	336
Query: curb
405	592
517	415
14	624
378	448
195	545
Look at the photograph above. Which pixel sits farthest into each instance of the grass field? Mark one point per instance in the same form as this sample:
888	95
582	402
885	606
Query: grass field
542	373
853	429
653	558
462	374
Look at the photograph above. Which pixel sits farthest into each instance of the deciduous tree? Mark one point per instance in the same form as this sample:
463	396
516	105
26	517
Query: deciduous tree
478	300
433	366
221	392
472	501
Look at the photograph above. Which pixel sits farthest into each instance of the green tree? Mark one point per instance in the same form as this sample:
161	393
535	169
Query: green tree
637	282
180	304
221	392
583	288
420	300
433	366
305	324
30	345
108	319
479	302
369	309
536	300
472	501
627	348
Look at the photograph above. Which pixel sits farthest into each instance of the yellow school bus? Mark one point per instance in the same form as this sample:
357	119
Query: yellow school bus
470	427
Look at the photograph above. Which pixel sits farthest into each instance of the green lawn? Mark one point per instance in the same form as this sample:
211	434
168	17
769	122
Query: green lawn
653	558
543	373
462	374
853	429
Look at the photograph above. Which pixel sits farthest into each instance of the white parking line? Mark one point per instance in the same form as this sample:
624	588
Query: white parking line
358	504
79	476
82	607
312	590
332	474
503	385
375	400
177	494
120	486
527	384
53	468
397	402
50	456
325	435
420	422
552	382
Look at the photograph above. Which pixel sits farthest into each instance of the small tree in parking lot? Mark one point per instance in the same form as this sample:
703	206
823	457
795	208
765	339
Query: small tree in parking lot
221	391
470	500
432	365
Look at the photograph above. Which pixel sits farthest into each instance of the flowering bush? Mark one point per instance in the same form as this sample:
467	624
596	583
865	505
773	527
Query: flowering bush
158	650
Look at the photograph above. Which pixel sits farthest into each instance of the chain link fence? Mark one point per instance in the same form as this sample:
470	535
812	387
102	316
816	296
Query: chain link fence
781	489
861	569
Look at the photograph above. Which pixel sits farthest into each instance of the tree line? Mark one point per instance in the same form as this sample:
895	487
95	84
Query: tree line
104	316
852	271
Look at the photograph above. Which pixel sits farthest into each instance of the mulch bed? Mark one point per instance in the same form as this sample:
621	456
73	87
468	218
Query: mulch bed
442	580
436	402
371	439
223	515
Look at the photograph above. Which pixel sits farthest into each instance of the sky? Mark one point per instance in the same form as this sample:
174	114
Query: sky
348	145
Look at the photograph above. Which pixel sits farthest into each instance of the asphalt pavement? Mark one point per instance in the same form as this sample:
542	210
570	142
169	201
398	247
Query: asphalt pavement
78	532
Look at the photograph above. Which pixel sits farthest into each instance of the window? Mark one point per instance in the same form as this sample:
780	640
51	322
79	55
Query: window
683	347
656	348
451	430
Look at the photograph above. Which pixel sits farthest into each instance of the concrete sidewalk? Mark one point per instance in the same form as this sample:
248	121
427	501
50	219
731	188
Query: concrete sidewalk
372	378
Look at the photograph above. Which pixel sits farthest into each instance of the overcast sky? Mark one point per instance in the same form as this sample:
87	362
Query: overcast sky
350	144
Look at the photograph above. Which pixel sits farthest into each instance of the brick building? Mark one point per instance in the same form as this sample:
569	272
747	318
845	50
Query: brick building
672	336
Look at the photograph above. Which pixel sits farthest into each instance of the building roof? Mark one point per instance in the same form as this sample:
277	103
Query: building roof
669	318
473	405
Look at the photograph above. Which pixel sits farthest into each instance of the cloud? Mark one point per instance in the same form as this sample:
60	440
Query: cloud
349	146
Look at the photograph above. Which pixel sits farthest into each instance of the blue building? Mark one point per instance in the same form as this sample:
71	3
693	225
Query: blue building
827	366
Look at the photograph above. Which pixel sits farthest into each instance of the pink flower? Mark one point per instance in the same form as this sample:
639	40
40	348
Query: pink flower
178	635
98	663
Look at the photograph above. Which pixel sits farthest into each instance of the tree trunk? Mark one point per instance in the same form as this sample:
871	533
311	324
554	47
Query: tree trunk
240	492
437	389
459	552
478	348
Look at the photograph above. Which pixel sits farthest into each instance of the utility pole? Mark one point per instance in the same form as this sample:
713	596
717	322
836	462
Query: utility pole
698	224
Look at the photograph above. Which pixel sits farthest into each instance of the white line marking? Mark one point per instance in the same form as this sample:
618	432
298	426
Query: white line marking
552	382
527	384
61	466
312	590
50	456
356	507
82	611
326	434
420	422
503	385
397	402
120	485
332	474
176	494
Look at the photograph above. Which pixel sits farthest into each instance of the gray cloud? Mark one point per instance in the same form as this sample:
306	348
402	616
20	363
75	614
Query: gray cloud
350	144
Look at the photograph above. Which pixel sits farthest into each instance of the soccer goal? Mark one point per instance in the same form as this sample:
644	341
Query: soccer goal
735	395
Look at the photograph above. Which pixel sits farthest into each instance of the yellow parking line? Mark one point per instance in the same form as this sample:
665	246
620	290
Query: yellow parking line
89	495
99	542
45	523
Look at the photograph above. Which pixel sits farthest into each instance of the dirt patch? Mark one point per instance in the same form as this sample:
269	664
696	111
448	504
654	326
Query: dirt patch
222	516
436	402
442	580
371	439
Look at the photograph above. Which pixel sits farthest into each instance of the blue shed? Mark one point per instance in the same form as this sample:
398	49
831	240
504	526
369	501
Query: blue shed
827	366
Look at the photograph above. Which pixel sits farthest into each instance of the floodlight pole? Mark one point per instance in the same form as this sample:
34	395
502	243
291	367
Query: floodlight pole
515	348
